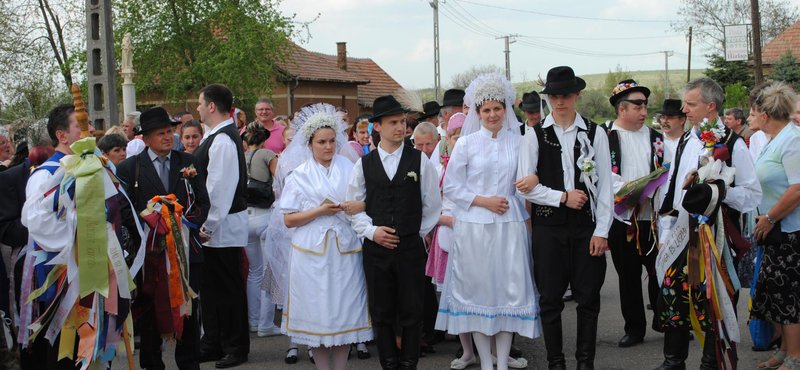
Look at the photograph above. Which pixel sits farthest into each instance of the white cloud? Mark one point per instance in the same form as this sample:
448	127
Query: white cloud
639	9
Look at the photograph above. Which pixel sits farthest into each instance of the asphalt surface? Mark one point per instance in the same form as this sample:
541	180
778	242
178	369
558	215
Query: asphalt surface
269	353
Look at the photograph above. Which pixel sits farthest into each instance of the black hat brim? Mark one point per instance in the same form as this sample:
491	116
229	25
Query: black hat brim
389	113
644	90
158	125
671	113
579	85
530	108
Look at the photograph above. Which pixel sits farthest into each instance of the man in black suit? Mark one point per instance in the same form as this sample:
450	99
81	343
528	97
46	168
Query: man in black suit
157	171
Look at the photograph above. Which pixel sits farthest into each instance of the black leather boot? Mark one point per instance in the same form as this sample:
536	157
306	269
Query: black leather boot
409	352
709	359
676	350
586	345
554	346
387	347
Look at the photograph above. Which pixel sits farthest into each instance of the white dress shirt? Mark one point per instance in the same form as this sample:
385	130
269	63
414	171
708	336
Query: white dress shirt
670	146
222	179
529	160
636	159
428	186
757	143
484	166
744	196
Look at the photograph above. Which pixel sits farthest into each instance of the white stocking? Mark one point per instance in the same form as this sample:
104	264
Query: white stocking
503	340
466	344
340	357
484	345
322	358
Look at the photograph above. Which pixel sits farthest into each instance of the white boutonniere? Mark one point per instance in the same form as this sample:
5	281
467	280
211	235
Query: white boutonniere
413	175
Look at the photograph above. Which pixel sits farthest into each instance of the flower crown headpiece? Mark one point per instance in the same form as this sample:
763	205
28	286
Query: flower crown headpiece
490	86
620	88
310	119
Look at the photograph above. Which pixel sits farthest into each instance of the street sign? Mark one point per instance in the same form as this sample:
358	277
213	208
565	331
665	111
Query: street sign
736	42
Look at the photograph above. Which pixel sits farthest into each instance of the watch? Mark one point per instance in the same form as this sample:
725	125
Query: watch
771	221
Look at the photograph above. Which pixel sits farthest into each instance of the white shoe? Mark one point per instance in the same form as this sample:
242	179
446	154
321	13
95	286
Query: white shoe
253	328
457	364
519	363
271	332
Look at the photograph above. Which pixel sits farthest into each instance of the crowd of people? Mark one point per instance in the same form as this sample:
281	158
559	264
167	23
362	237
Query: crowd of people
410	222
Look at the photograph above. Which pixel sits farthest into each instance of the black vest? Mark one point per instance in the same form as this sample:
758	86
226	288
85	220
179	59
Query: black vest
667	208
615	148
240	197
551	174
395	203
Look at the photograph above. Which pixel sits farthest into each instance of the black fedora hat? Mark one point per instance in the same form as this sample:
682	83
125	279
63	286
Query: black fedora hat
672	107
386	105
562	81
154	118
705	199
453	98
624	88
531	102
430	109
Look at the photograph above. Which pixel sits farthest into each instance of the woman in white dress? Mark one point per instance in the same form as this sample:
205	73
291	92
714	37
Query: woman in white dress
489	289
326	297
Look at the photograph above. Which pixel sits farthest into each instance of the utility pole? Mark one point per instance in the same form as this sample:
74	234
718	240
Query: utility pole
667	54
509	40
755	19
101	65
689	66
437	72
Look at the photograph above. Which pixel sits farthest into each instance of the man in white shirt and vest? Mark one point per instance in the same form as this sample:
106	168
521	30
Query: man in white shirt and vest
400	187
672	122
224	233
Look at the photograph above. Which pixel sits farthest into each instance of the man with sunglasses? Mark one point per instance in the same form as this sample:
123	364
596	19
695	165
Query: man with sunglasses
703	99
636	151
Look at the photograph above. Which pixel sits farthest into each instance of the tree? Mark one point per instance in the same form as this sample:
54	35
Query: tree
709	17
593	104
728	73
736	96
613	78
785	69
463	79
183	45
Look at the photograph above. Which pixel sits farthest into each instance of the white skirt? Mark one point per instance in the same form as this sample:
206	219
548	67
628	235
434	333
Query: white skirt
326	300
489	285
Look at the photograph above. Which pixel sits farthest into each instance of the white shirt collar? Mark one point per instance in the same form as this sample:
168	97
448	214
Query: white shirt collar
154	156
549	121
618	128
224	123
397	153
483	131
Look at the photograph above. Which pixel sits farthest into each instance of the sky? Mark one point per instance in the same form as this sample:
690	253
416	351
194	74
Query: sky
398	35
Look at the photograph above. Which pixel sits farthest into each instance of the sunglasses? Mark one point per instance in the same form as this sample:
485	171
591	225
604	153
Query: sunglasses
637	101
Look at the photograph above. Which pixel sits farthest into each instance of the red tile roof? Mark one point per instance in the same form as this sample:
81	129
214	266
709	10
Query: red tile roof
372	80
789	39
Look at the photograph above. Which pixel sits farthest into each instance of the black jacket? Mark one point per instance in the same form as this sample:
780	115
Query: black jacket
150	185
12	197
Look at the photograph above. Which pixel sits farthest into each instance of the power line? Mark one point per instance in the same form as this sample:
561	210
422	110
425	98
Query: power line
563	16
604	38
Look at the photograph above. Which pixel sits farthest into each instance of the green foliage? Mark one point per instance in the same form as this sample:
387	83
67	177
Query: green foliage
785	69
613	78
736	95
463	79
594	104
729	73
182	45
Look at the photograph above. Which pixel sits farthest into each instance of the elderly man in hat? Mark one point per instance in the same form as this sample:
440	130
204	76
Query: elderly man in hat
573	214
637	157
156	171
672	121
531	105
401	190
709	143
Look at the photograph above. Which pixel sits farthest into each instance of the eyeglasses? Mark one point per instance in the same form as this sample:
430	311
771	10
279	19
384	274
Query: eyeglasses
636	101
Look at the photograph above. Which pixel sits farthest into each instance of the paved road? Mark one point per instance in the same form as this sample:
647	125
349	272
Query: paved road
268	353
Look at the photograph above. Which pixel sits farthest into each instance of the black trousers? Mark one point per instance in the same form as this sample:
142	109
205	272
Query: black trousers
187	350
628	264
396	286
561	258
224	303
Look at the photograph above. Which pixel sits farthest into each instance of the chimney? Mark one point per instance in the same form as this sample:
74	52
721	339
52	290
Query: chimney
341	55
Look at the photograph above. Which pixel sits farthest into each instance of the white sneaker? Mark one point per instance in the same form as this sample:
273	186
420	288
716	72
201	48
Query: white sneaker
457	364
271	332
253	328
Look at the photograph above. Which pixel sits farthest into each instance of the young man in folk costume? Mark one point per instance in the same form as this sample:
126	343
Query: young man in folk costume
531	105
637	158
156	172
709	147
401	189
224	233
76	287
573	214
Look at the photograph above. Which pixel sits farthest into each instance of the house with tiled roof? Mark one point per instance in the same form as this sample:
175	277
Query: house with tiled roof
789	39
313	77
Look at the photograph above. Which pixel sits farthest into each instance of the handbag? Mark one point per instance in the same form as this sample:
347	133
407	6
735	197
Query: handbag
774	237
761	331
259	193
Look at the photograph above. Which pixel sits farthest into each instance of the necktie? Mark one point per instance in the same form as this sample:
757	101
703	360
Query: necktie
163	172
